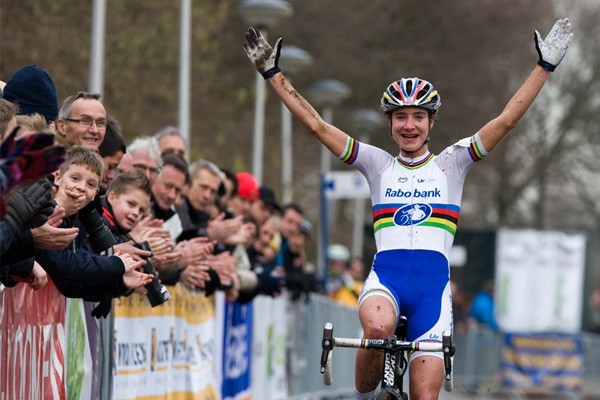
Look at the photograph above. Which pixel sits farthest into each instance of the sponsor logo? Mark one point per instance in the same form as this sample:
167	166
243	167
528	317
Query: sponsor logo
412	214
390	366
389	192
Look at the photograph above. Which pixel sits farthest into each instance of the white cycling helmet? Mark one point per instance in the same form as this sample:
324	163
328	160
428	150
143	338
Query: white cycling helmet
410	92
338	252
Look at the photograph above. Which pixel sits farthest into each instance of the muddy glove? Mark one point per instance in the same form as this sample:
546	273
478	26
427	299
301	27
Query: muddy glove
30	206
263	56
554	47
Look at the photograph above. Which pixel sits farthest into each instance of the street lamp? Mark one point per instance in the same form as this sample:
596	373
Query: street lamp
365	121
291	60
326	94
261	14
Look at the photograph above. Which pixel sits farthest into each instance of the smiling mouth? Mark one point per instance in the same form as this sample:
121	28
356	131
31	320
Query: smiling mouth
410	135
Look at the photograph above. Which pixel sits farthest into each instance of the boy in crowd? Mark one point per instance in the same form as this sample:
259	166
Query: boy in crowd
76	272
127	201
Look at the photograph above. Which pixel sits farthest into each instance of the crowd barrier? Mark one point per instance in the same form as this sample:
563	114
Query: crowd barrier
203	348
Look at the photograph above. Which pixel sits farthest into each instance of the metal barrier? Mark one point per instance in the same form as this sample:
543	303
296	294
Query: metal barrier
476	362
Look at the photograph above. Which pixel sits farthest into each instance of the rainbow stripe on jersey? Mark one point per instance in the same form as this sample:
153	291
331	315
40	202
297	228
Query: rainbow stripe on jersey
351	150
443	216
476	149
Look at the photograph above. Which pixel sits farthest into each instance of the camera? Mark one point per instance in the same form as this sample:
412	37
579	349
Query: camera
99	236
157	292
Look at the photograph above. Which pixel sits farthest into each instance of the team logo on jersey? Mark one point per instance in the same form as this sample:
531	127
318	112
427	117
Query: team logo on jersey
412	214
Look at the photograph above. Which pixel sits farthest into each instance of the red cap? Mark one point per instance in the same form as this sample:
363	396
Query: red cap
247	186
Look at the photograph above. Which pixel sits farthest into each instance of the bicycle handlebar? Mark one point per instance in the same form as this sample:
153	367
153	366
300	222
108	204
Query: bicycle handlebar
390	344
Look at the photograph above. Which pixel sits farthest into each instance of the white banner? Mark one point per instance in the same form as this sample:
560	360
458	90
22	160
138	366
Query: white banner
167	351
269	380
539	280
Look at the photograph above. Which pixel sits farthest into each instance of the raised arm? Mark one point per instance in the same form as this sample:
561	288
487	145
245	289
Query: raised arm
551	51
266	58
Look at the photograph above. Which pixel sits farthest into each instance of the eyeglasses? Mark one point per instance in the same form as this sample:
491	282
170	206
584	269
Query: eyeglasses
143	168
87	122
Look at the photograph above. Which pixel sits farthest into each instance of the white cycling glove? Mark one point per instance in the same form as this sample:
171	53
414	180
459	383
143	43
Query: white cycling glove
264	57
554	47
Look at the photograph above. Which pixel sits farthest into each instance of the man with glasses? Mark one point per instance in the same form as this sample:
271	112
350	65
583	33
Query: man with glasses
82	121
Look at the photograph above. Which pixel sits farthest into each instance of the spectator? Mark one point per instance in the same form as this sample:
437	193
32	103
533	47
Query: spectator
291	219
32	90
8	120
195	213
126	201
482	307
301	278
145	156
227	191
171	141
31	124
112	149
167	188
78	180
247	194
342	286
266	205
28	207
125	165
195	210
82	121
79	273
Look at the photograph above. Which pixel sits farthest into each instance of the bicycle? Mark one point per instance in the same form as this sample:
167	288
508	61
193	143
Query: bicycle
395	363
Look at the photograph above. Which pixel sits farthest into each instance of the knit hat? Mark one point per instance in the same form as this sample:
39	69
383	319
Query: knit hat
247	186
33	91
268	197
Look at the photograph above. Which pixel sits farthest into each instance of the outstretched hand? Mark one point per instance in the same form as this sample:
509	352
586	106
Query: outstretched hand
264	57
554	47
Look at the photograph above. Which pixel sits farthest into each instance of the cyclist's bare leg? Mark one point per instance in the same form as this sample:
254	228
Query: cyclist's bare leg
378	319
426	376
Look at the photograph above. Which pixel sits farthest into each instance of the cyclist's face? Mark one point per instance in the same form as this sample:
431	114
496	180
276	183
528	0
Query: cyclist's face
410	128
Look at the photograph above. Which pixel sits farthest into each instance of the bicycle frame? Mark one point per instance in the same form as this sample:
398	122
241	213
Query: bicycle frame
395	363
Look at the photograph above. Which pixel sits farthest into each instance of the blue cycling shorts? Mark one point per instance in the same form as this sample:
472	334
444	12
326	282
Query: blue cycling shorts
418	282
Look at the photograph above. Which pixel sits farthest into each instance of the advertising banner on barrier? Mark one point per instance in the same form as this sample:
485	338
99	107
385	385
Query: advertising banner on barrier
550	363
237	354
167	351
539	280
32	343
79	368
269	377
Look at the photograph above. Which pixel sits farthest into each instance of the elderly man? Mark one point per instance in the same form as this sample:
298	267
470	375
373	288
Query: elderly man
82	121
145	156
171	141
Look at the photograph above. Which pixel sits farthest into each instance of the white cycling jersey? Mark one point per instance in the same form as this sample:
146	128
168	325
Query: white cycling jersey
416	205
415	202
